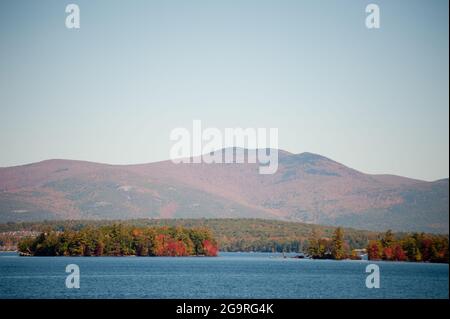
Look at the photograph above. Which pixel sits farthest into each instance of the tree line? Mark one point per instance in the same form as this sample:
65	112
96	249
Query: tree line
412	247
121	240
270	236
233	234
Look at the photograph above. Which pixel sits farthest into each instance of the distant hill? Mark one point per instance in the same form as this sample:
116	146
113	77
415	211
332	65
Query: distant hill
307	188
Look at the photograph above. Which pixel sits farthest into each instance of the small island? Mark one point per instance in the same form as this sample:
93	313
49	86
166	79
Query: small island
416	247
120	240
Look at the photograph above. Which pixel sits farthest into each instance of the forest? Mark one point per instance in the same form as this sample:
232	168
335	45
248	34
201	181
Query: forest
120	240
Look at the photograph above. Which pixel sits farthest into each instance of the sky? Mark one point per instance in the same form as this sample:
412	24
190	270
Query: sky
376	100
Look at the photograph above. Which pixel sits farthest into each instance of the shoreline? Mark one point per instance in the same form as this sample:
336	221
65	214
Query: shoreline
245	252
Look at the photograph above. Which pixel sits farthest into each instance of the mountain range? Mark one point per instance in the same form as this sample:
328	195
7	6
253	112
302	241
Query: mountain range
306	188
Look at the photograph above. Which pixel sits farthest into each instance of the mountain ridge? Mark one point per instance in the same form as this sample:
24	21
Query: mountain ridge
307	187
66	160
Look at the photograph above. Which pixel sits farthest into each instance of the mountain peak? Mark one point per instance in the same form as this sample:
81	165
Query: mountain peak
307	156
304	158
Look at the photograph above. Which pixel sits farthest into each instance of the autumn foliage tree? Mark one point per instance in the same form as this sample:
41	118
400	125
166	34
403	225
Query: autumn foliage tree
209	248
375	250
318	247
399	253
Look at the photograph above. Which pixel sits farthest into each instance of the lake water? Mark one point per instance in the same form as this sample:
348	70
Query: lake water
231	275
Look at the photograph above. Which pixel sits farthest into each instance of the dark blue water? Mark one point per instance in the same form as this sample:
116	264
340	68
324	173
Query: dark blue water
232	275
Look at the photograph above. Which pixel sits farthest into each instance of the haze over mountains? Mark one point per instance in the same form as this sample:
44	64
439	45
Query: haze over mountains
307	188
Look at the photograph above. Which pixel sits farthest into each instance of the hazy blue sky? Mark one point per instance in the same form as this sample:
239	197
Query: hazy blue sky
375	100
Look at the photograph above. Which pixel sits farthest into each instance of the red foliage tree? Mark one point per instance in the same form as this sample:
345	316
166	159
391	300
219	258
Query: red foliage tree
175	248
210	248
388	253
399	254
159	244
374	251
426	249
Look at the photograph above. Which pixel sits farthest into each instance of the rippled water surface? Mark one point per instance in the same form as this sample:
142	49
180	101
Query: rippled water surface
231	275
